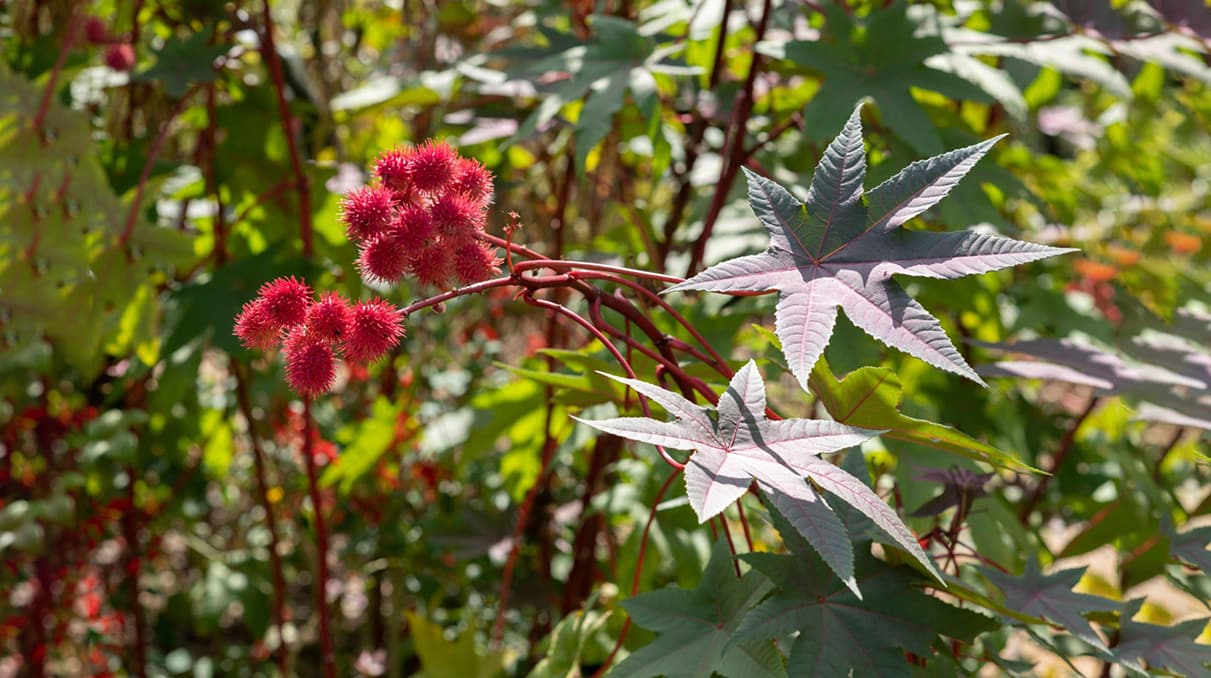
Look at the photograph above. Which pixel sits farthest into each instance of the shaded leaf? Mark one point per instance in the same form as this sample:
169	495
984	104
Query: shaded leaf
1051	596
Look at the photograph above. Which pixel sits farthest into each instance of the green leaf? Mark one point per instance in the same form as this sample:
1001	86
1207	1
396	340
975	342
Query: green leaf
567	643
870	398
363	442
457	657
838	632
695	628
184	61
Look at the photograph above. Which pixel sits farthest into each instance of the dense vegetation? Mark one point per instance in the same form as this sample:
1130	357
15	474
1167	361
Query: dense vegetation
906	307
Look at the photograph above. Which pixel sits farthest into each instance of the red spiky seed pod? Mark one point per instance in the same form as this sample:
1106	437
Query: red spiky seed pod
414	229
473	180
392	167
382	260
432	266
375	327
120	57
255	327
431	166
96	31
310	363
286	301
328	319
474	262
367	211
457	217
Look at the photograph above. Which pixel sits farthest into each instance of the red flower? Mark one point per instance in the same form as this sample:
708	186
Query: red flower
475	261
329	319
255	327
414	229
473	180
375	327
432	166
457	217
286	301
120	57
310	364
382	260
367	211
392	168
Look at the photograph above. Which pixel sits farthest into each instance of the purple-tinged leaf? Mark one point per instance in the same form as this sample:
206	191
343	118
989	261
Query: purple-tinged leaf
1172	353
1067	360
837	250
1169	647
1191	547
739	445
1051	596
1185	412
960	487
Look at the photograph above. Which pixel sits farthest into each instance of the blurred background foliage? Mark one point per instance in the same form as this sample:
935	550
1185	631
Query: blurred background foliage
160	160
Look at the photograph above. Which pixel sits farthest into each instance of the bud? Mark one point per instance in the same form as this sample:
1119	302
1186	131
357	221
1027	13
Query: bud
310	363
367	211
414	229
458	219
95	31
431	266
375	327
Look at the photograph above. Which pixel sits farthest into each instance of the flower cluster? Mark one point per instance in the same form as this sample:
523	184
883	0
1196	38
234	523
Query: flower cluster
313	333
424	218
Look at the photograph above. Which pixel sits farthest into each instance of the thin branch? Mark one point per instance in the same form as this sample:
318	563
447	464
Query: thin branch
1062	450
327	659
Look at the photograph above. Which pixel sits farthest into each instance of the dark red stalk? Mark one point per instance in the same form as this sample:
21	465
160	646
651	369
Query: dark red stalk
69	41
270	53
275	560
327	659
1061	454
735	155
153	152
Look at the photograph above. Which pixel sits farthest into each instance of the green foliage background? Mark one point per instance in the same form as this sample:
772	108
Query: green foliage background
141	447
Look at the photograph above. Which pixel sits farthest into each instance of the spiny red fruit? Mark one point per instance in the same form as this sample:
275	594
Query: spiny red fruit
95	31
286	301
310	363
473	180
392	168
120	57
255	328
475	261
432	165
382	260
413	228
375	327
431	266
367	211
456	216
328	319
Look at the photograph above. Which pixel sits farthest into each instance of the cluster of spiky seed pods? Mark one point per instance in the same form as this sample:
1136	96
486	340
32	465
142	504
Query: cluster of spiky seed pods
422	218
313	333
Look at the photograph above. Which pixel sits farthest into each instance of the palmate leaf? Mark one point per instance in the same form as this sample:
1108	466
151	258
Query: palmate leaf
1051	596
735	445
695	627
1083	364
837	250
839	633
1169	647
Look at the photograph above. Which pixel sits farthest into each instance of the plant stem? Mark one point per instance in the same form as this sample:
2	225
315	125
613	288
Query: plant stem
1061	453
270	53
275	559
328	660
69	40
153	152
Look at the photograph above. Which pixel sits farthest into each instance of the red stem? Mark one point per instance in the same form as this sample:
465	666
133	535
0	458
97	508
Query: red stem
275	560
1062	450
153	152
321	546
270	53
69	41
